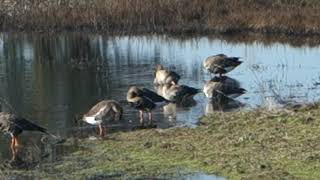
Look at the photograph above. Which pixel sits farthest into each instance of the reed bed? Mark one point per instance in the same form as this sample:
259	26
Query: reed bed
171	16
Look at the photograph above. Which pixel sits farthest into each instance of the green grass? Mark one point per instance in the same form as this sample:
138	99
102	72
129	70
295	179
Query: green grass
251	145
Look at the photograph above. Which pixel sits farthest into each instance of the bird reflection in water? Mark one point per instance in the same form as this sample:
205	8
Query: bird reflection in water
221	92
222	104
170	112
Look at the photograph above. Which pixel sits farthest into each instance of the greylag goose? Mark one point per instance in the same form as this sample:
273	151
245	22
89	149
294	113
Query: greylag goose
221	64
180	94
144	100
222	87
97	114
15	125
163	76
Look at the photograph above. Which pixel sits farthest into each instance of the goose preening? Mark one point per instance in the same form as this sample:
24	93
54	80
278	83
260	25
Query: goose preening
222	87
144	100
99	112
221	64
180	94
163	76
15	125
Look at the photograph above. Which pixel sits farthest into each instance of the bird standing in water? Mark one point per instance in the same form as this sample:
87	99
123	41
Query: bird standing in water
180	94
144	100
221	64
15	125
100	111
163	76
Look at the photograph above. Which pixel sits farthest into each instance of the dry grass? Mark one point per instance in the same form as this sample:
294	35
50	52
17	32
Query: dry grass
175	16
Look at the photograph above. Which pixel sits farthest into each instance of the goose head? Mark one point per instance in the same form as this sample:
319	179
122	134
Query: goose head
133	94
158	68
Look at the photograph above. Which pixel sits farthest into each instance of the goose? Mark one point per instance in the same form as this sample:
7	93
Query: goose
180	94
144	100
224	86
163	76
97	114
221	64
15	125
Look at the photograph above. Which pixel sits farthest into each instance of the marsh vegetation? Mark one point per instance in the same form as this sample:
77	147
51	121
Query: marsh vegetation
299	17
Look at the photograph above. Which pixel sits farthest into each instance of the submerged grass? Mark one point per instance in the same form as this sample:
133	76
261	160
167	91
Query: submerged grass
250	145
175	16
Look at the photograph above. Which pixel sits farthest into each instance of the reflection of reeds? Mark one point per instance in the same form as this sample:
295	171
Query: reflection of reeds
275	91
291	17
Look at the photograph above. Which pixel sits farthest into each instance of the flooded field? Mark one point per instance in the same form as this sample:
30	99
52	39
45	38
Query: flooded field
54	79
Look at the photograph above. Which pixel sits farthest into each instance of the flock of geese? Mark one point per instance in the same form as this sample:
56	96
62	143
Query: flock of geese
168	90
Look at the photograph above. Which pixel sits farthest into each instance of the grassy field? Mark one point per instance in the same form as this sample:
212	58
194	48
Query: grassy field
251	145
299	17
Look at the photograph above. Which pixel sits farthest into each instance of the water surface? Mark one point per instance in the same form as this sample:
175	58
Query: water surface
54	79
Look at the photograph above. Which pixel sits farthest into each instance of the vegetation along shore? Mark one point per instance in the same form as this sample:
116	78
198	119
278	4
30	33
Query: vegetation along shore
251	145
293	17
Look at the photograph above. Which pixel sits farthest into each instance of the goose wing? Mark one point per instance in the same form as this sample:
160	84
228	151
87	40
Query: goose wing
9	122
24	124
98	109
222	61
153	96
143	103
231	61
214	64
187	90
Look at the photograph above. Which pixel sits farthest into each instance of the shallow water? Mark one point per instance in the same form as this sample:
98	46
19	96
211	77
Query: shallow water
54	79
202	176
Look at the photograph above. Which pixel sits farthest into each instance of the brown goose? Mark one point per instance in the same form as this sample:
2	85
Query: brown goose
221	64
163	76
180	94
144	100
100	111
222	87
15	125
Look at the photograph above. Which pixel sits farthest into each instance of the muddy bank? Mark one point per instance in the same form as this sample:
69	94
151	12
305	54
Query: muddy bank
256	144
293	17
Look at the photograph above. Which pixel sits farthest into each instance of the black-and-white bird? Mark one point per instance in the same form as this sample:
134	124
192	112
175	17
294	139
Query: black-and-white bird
145	100
15	125
221	64
99	112
163	76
